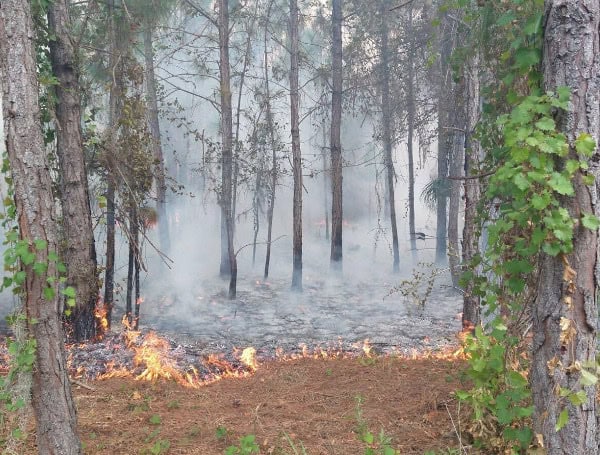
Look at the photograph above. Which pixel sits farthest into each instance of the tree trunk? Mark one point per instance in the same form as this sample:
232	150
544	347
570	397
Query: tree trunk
118	45
445	139
296	153
325	183
470	247
271	127
130	262
238	112
79	254
336	140
136	273
386	120
256	212
571	58
157	151
457	160
52	400
411	128
227	148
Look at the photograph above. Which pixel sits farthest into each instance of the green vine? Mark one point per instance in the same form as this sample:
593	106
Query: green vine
522	215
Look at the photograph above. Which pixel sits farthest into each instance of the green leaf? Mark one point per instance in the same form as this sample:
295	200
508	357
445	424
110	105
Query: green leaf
40	244
578	398
563	418
49	294
526	58
551	249
561	184
589	179
588	378
521	182
69	291
20	277
590	221
546	124
585	144
40	268
155	419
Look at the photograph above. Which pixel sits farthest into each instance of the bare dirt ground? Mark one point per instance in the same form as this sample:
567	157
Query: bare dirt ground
310	402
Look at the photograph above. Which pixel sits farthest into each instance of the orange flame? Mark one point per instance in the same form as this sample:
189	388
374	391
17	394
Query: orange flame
101	322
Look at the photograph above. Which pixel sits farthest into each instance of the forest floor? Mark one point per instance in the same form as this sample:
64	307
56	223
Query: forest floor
321	405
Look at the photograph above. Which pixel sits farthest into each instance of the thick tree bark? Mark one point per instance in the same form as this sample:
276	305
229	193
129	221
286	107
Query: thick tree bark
411	108
79	254
227	147
296	153
386	121
52	400
157	150
470	246
567	290
336	141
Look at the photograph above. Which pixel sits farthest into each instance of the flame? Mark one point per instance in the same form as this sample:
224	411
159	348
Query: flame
101	322
248	358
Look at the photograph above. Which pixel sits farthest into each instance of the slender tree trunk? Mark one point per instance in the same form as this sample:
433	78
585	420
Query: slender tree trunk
130	265
326	179
386	120
271	127
136	272
238	112
118	45
296	153
444	143
79	254
411	128
227	137
471	317
336	142
457	160
157	151
53	405
256	212
441	231
567	290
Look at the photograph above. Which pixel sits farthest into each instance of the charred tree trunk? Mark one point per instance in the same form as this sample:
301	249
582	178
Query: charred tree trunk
79	254
296	153
410	137
53	405
336	140
386	120
227	148
157	150
567	289
470	246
